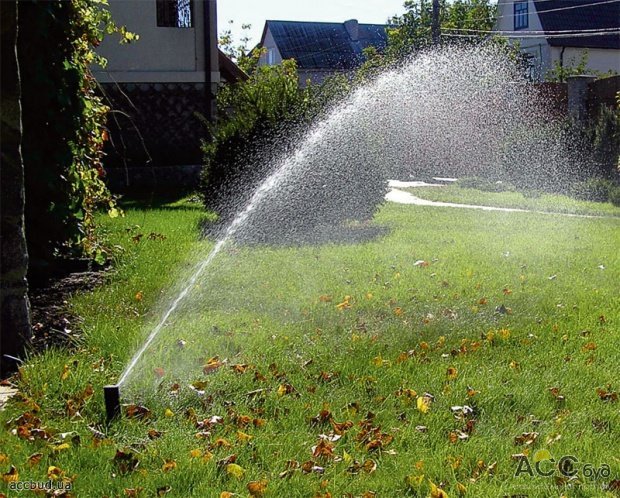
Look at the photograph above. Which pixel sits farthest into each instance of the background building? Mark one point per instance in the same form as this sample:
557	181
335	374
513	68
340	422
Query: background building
562	31
320	48
161	86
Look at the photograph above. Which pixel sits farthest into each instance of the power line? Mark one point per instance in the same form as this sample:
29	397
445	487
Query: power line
535	1
523	35
507	16
566	8
595	30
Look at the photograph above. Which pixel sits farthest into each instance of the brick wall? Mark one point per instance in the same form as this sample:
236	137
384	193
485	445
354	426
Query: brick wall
155	124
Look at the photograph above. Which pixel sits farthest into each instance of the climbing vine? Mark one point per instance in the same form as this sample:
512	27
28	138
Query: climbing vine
64	125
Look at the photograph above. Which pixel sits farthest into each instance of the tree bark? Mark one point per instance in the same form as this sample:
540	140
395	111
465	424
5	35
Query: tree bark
15	327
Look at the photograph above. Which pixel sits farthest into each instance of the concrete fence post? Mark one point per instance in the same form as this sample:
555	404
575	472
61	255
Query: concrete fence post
578	96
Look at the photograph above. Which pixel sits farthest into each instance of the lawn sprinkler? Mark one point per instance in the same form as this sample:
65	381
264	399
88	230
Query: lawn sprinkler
112	398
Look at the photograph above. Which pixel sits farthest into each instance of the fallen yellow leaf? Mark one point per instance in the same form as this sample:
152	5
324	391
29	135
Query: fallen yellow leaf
423	403
234	470
11	476
65	373
54	473
437	492
242	436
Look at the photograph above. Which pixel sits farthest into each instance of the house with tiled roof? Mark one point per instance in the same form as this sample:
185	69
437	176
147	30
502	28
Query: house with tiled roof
320	48
552	32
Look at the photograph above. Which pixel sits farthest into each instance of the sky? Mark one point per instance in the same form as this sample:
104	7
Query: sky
256	12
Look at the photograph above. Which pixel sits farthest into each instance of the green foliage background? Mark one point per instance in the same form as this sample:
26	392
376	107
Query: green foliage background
253	114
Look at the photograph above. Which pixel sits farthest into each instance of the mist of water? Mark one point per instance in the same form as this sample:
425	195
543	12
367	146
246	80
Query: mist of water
447	112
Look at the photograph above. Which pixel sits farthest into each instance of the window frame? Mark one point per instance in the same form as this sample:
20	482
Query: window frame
521	15
168	14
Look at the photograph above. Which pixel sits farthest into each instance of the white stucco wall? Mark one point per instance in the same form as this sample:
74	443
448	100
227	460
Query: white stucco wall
161	54
602	60
270	45
534	45
598	59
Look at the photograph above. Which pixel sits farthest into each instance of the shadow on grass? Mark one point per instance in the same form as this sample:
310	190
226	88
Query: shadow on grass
345	233
177	202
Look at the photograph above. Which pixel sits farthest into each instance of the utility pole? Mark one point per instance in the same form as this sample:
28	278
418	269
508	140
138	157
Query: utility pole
435	29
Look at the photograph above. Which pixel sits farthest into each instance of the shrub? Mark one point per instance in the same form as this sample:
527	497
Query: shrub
614	196
532	193
604	134
593	189
264	119
254	115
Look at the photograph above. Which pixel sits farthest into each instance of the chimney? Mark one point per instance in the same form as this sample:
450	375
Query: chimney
353	28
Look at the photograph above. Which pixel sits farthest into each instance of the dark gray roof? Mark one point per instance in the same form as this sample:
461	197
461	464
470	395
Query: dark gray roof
325	45
595	14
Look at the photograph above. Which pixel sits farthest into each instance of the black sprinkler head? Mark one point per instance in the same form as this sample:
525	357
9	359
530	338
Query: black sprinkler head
112	398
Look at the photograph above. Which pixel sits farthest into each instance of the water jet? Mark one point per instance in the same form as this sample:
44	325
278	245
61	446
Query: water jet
445	113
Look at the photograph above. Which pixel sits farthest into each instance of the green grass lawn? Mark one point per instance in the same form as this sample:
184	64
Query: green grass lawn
319	360
554	203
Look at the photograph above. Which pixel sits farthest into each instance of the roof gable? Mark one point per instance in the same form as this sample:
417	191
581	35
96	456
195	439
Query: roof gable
324	45
584	15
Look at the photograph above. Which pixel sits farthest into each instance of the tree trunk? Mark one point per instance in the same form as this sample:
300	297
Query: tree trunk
15	327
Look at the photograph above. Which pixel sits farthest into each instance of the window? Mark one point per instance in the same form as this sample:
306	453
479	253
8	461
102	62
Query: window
520	15
270	56
175	13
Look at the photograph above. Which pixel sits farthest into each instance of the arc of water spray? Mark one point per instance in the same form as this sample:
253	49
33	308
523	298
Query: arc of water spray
112	392
416	115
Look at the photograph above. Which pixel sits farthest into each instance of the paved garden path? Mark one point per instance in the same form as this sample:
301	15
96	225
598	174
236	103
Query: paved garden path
402	197
6	392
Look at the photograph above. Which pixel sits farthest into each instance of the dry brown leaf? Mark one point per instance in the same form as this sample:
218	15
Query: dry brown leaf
527	438
452	373
212	365
132	492
324	449
607	395
137	412
34	459
257	488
